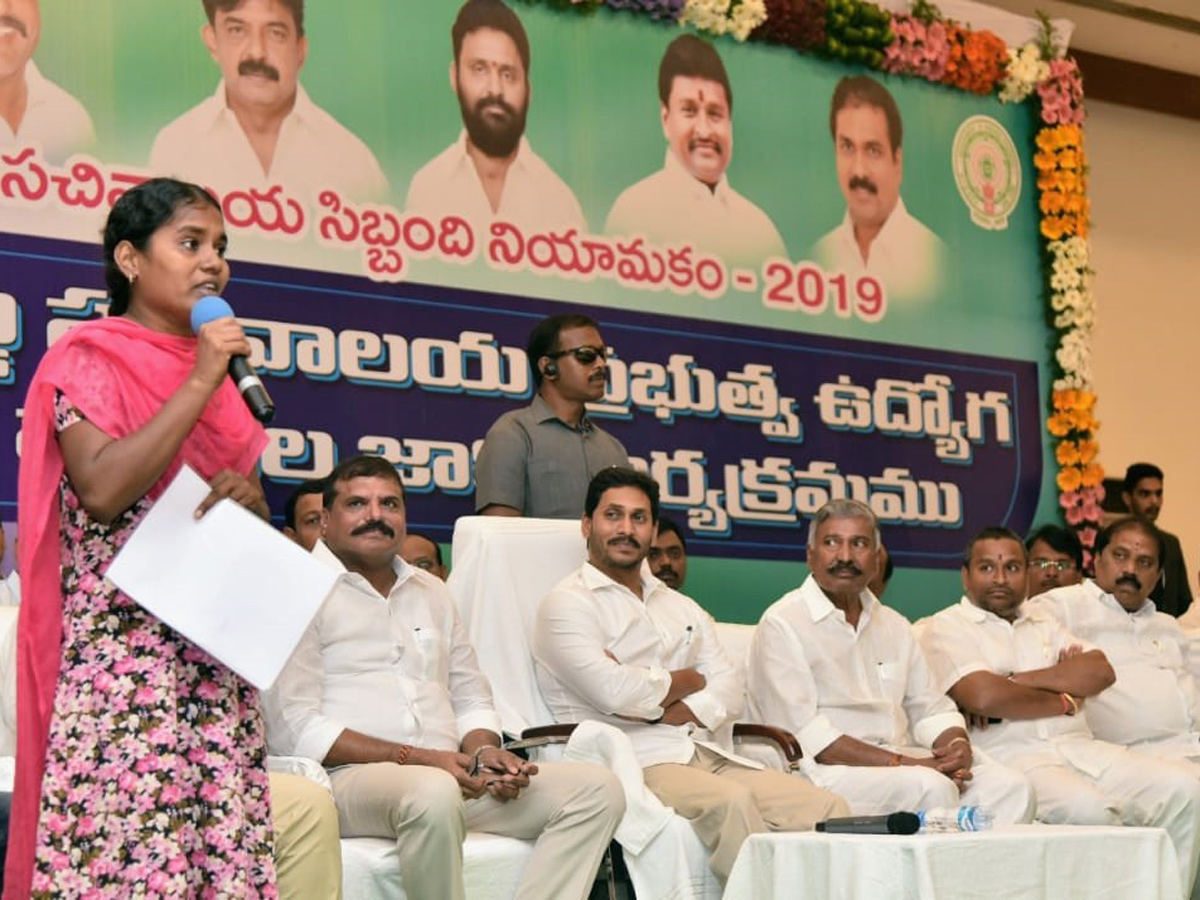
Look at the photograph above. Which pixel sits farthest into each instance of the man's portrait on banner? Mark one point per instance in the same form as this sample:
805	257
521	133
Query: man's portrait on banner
491	172
690	200
33	109
260	127
877	235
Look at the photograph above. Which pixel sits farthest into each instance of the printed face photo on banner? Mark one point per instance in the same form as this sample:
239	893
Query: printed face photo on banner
260	50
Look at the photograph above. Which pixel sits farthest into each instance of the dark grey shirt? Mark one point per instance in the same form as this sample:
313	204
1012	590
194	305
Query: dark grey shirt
533	461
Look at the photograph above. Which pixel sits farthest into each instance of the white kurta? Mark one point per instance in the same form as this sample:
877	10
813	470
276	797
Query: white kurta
813	673
312	153
53	119
588	613
673	207
534	197
906	257
1154	706
399	668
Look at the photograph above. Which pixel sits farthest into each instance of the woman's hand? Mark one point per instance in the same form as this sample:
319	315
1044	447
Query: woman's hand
248	492
216	342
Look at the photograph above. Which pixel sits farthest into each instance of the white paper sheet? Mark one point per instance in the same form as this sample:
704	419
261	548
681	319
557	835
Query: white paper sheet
229	582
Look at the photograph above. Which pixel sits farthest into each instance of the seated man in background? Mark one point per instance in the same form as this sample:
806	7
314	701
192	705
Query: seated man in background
832	664
384	689
668	554
424	553
1154	706
614	644
302	513
1001	658
1055	559
884	567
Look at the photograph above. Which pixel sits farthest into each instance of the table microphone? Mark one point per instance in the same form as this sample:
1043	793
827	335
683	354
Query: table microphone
261	406
893	823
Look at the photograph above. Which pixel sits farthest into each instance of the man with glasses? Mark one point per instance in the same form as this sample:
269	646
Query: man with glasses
538	461
1055	559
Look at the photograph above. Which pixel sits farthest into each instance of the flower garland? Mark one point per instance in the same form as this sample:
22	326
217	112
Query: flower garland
923	44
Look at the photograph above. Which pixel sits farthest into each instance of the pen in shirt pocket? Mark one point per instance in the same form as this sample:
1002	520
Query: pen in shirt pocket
687	636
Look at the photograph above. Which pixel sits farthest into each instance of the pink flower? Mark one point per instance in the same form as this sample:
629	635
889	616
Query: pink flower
1067	499
170	794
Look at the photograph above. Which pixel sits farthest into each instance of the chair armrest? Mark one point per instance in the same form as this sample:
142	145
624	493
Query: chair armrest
542	736
788	745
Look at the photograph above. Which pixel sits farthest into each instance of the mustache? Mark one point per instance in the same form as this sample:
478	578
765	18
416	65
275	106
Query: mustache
625	540
862	181
258	67
847	568
497	103
15	24
1130	579
375	525
705	142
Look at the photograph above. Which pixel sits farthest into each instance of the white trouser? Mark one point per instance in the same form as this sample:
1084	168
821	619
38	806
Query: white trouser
1004	792
1131	790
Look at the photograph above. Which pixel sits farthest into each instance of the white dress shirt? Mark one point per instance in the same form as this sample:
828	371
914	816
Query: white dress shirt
398	668
534	198
966	638
10	590
905	256
1153	703
815	674
673	207
313	152
52	119
588	613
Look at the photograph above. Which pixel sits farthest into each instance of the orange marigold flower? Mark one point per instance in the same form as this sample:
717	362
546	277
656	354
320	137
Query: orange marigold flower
1045	162
1069	479
1059	424
1087	451
1067	453
1092	475
1067	399
1052	228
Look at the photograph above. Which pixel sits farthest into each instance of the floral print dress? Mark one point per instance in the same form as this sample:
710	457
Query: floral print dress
155	781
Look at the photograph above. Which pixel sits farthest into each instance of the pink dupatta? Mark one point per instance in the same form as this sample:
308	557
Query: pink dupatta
118	374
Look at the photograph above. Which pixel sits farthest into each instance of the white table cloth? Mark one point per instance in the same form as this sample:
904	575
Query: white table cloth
1055	862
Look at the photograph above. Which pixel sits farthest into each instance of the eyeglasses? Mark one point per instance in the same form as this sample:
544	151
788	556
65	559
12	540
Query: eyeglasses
585	354
1057	565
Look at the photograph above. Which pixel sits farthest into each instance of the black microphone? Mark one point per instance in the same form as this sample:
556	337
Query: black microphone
252	390
893	823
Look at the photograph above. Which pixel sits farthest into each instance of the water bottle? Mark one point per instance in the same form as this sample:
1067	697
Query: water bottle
964	818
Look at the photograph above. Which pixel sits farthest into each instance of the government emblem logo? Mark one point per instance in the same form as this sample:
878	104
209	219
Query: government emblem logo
987	171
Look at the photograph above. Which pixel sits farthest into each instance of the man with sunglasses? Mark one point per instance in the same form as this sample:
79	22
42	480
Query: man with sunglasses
538	461
1055	559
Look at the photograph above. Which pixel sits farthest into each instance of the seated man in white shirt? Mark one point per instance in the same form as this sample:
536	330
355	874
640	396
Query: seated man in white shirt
846	675
384	690
260	128
491	171
1000	659
614	644
690	200
1154	706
